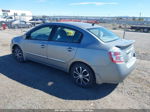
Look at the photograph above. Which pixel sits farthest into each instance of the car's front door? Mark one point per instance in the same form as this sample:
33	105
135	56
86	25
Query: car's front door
63	46
35	45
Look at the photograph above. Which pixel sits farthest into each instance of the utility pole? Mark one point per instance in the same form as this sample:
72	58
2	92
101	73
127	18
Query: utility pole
124	33
140	15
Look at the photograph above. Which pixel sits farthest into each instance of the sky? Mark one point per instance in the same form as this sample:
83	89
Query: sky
81	7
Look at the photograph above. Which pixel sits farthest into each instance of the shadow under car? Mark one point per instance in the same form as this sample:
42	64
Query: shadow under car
50	80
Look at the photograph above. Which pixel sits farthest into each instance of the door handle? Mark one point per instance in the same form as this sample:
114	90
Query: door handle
42	46
70	49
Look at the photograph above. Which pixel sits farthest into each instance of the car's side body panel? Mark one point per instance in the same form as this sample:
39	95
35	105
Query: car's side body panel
60	54
35	50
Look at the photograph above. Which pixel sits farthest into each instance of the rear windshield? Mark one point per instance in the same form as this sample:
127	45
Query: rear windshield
104	34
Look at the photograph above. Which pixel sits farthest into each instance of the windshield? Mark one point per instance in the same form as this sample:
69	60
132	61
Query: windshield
103	34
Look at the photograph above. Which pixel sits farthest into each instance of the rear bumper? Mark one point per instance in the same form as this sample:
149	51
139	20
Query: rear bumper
114	73
125	69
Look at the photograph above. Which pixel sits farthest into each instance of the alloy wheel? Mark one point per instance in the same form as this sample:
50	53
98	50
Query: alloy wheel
18	54
81	76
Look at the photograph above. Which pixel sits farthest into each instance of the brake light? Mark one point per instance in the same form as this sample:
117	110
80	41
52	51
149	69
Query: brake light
116	57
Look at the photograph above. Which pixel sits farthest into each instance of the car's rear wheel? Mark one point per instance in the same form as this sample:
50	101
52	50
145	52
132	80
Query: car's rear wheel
82	75
18	54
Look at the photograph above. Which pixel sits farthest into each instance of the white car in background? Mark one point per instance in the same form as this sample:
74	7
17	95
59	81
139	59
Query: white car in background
20	24
6	19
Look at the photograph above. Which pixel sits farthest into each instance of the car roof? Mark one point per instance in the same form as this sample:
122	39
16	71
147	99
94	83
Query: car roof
77	24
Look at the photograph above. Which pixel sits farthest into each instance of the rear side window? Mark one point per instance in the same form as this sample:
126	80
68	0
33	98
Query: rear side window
67	35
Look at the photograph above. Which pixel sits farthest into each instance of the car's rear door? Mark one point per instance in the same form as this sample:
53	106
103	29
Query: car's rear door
63	46
36	43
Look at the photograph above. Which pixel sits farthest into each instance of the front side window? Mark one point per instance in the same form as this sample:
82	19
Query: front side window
41	34
10	17
103	34
67	35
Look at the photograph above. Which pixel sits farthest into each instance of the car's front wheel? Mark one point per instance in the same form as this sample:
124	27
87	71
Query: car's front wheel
82	75
18	54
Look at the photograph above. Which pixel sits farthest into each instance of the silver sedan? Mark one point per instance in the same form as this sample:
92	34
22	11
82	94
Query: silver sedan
89	53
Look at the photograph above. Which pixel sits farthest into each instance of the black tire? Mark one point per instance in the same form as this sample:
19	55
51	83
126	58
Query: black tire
82	75
145	30
18	54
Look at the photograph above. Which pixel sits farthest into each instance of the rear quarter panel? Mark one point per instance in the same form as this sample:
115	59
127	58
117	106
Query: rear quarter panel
93	57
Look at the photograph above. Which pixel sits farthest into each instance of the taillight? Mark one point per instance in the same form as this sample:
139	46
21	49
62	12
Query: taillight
116	57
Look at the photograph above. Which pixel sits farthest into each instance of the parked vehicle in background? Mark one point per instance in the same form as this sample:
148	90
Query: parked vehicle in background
45	20
90	53
20	24
140	28
6	19
35	22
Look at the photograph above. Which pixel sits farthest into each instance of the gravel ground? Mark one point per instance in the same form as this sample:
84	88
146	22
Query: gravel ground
35	86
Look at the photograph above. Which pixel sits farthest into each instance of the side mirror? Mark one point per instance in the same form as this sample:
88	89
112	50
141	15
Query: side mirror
26	36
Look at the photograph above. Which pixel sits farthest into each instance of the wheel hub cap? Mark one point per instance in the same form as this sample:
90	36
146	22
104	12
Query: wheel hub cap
81	76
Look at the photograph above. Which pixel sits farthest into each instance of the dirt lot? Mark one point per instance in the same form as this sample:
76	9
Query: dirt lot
33	86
